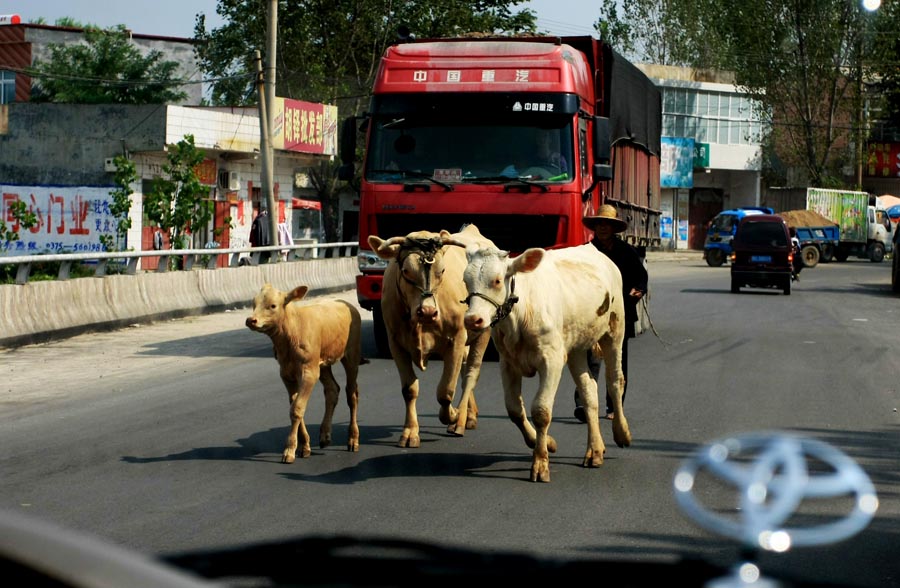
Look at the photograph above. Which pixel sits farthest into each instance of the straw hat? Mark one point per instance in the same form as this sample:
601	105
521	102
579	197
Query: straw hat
607	215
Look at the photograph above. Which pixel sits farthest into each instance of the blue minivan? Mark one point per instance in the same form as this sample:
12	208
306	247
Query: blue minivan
722	228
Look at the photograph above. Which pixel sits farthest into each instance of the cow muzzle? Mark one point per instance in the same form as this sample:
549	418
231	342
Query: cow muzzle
427	313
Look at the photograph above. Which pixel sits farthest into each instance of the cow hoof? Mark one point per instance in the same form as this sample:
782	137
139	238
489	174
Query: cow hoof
540	472
410	441
305	452
324	442
471	422
353	446
593	459
622	439
287	457
456	431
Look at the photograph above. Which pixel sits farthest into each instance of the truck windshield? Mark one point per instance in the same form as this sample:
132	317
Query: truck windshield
475	151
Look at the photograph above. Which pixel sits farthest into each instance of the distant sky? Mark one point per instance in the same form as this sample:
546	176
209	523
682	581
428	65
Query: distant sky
175	18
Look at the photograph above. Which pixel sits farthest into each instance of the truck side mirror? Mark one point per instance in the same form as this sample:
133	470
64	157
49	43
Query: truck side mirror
348	140
602	149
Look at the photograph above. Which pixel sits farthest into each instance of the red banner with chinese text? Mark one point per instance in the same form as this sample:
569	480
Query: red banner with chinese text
304	127
883	160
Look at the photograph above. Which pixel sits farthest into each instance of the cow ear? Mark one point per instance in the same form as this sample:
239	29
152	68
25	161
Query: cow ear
375	242
386	249
296	294
528	261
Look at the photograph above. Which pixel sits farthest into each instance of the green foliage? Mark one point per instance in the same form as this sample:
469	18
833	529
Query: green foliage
881	50
177	200
23	217
797	60
800	61
106	69
125	176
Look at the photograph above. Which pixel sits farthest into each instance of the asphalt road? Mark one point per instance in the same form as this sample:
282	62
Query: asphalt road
167	437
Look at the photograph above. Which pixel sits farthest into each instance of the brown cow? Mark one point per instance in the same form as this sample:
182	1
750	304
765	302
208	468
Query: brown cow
545	309
423	315
308	339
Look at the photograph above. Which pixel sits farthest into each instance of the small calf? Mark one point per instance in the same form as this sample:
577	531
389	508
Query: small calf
308	339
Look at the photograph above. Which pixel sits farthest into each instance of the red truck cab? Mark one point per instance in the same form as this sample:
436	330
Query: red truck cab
518	136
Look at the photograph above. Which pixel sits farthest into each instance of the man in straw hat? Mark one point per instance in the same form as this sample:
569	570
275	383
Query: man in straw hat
606	225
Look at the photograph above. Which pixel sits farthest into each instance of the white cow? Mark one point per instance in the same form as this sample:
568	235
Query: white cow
545	309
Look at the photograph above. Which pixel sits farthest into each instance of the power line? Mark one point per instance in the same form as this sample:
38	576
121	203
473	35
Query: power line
562	28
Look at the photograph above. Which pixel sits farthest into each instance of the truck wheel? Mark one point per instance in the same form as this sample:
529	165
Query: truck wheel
735	287
810	256
876	252
840	254
787	286
715	257
827	253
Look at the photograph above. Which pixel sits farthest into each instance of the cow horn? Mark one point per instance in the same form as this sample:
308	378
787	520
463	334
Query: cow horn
447	241
394	241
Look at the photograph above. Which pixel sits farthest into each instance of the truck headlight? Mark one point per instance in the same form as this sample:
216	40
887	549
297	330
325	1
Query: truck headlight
369	262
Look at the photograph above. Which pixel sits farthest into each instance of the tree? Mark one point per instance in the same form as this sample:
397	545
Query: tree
107	69
654	31
883	37
177	202
124	177
328	51
797	60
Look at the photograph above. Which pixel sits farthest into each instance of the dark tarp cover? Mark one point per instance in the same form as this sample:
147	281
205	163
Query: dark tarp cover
635	103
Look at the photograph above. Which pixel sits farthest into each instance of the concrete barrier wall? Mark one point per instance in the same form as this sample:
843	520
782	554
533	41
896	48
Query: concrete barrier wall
43	311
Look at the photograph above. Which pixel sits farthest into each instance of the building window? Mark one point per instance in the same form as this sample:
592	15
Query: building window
710	117
7	87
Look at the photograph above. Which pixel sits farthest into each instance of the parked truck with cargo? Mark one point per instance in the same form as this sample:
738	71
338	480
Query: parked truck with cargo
819	237
521	136
865	231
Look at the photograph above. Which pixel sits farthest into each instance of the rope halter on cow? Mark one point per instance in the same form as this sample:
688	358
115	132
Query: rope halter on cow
425	250
503	309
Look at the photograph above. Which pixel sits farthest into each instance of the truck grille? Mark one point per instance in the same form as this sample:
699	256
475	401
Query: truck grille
511	232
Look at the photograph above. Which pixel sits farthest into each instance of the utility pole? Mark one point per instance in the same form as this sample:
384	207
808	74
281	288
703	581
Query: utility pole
265	152
271	34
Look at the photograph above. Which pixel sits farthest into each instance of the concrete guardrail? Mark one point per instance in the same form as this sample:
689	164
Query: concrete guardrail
39	311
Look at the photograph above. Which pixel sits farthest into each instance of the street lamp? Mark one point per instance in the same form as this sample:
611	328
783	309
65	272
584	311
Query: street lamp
871	5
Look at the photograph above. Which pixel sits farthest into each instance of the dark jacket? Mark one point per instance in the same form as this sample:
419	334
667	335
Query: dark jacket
634	275
259	230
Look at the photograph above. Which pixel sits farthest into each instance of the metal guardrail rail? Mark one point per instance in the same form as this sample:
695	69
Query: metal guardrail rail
206	258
